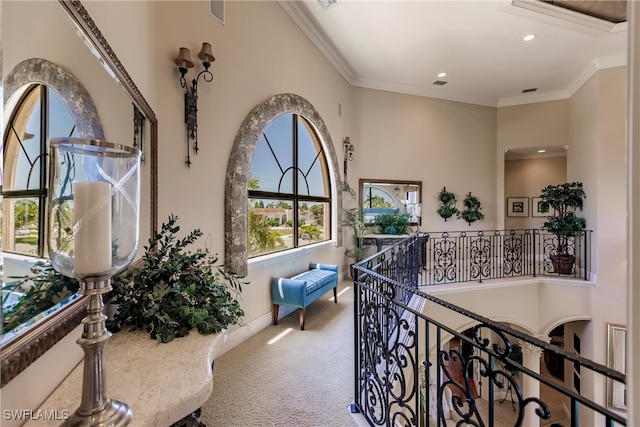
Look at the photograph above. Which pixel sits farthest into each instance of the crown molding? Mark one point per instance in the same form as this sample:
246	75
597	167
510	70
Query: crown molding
533	98
559	16
595	66
581	79
424	91
298	13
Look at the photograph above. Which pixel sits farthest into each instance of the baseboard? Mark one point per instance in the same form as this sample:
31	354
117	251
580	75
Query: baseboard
243	333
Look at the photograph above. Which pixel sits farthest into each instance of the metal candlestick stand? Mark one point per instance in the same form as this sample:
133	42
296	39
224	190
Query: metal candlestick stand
96	409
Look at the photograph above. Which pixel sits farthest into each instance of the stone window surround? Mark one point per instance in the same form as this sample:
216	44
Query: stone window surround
67	86
239	167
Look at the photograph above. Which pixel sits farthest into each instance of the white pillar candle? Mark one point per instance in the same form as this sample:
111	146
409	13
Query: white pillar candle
92	239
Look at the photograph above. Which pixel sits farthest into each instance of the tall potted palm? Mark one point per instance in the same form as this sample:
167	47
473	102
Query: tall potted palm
353	218
565	199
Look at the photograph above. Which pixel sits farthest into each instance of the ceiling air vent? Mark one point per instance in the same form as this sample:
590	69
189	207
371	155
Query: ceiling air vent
440	82
533	89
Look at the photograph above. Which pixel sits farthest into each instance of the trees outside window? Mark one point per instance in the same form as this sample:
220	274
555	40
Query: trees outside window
39	115
289	191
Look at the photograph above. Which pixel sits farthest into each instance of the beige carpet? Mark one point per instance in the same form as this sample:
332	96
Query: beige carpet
303	379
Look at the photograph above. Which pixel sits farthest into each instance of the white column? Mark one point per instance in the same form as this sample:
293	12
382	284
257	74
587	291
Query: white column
530	386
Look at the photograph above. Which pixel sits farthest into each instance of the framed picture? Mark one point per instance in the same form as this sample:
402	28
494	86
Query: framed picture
616	391
518	206
535	208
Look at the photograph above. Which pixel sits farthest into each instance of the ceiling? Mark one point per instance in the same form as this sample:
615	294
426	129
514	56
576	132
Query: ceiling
401	46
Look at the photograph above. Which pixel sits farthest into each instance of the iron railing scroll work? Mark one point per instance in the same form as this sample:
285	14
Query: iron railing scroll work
408	372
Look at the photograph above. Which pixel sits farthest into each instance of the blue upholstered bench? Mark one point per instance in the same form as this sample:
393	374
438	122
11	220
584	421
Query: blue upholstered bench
303	289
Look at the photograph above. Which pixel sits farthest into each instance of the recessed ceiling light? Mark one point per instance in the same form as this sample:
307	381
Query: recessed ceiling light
542	151
442	74
529	37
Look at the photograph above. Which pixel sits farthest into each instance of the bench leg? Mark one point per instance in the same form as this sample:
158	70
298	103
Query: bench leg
301	313
335	295
276	310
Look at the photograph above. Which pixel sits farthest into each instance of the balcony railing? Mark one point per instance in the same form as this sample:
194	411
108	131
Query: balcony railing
408	372
463	256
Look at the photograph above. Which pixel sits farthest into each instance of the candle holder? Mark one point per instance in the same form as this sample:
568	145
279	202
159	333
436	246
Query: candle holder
93	234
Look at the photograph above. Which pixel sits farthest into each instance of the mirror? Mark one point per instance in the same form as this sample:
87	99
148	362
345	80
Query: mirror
381	196
92	61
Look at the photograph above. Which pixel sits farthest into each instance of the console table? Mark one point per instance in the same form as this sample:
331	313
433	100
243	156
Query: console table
380	240
162	383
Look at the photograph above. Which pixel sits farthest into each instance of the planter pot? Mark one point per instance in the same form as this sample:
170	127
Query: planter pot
563	263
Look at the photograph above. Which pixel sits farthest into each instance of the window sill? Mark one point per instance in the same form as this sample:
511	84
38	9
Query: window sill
279	257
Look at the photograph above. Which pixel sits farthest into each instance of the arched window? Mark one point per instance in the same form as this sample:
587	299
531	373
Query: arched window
43	101
39	115
289	188
282	156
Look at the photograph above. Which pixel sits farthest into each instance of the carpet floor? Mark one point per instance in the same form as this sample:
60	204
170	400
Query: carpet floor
303	379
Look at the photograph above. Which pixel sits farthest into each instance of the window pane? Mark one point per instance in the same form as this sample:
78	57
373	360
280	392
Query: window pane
313	223
273	157
23	214
376	198
22	145
275	170
61	123
270	226
311	162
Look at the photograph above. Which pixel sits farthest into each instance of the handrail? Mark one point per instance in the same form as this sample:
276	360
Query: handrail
396	354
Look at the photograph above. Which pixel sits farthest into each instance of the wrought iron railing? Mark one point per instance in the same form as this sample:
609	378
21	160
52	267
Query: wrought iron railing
408	372
463	256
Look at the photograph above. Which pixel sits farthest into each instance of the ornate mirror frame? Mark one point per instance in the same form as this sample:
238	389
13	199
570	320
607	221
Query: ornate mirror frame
19	353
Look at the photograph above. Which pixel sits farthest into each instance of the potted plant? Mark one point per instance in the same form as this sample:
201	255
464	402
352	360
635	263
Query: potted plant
174	290
354	219
447	201
395	224
472	208
563	223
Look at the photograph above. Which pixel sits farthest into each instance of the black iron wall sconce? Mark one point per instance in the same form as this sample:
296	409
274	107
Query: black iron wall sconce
138	129
184	62
348	154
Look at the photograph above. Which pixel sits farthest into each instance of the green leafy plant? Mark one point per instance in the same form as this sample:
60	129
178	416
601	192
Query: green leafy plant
472	209
354	219
447	201
564	199
43	289
174	291
393	223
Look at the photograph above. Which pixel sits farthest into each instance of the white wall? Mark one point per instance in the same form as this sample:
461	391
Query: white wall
597	158
526	178
441	143
259	52
545	124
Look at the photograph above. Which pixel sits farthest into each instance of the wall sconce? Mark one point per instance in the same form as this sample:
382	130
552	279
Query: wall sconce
138	129
348	154
184	62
